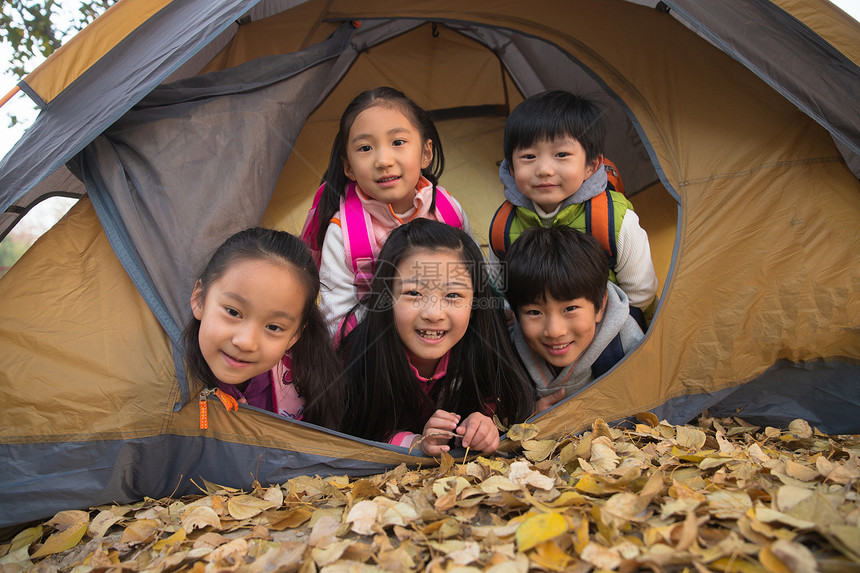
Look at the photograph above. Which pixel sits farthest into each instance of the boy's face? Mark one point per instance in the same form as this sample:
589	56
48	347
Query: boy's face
550	171
559	331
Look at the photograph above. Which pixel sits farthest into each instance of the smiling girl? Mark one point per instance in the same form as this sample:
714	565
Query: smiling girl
385	164
256	332
430	358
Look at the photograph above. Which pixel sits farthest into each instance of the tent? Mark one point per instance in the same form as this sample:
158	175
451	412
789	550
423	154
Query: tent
177	122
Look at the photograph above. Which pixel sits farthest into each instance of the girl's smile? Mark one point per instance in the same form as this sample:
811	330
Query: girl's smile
559	331
432	305
385	155
249	317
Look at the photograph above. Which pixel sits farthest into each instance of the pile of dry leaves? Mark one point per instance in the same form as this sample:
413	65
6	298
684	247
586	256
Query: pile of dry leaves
720	496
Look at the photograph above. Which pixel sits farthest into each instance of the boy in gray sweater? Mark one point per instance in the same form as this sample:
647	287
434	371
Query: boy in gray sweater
573	325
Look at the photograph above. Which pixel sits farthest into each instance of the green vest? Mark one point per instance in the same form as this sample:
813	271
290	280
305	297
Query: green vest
600	216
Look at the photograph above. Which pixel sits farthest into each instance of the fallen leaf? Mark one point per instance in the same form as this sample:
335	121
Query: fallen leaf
800	428
600	556
140	531
522	432
200	517
539	528
538	450
176	538
66	538
689	438
246	506
362	516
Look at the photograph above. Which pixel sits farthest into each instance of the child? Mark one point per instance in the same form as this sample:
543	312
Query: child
383	171
553	173
256	332
431	359
573	325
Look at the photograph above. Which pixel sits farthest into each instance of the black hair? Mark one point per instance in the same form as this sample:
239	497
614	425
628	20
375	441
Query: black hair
553	114
335	180
483	369
314	360
556	261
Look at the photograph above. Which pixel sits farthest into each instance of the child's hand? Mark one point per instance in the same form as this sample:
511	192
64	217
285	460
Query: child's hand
548	401
479	433
437	432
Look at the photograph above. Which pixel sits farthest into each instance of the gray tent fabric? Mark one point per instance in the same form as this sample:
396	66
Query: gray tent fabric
52	476
102	96
173	232
535	65
255	110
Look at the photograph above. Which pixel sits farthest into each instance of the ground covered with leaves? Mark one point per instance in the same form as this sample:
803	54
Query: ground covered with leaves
722	495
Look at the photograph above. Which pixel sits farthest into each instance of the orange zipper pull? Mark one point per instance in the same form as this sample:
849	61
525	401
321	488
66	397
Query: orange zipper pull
229	401
204	410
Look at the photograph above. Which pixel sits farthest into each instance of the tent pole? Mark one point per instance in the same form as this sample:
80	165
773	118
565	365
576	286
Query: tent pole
9	95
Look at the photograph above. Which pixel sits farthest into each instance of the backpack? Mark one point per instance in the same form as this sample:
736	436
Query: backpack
358	240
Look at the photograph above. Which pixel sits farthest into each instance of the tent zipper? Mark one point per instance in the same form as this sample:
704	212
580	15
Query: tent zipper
229	402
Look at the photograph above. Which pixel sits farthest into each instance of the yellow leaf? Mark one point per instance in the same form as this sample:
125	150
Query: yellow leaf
568	498
66	538
522	432
580	536
177	537
793	557
246	506
539	528
550	556
538	450
590	484
140	531
493	464
26	538
444	485
214	488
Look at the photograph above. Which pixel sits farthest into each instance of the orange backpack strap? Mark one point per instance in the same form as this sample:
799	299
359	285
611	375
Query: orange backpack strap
500	229
613	177
600	223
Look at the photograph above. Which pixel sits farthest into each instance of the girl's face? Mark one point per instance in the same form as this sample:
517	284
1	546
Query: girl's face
249	318
432	305
385	154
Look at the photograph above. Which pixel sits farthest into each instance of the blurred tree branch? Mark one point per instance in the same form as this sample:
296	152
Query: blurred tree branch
34	29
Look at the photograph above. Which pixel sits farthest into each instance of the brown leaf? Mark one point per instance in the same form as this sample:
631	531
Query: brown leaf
648	418
200	517
140	531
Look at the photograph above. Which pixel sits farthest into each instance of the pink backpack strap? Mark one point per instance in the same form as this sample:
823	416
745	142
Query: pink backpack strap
357	237
447	209
286	400
312	226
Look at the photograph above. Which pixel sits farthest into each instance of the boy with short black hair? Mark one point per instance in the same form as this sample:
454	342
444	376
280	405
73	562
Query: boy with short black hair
554	174
573	324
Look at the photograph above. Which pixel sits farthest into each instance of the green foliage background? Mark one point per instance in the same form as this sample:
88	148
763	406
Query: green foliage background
35	29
